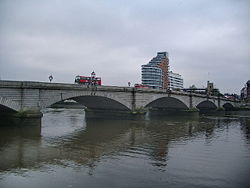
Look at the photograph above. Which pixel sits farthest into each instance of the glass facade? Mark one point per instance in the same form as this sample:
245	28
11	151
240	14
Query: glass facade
154	74
151	76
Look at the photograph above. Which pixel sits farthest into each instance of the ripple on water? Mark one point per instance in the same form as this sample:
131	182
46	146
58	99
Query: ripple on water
72	151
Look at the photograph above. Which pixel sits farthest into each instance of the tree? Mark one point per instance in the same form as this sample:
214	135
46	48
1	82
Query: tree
192	87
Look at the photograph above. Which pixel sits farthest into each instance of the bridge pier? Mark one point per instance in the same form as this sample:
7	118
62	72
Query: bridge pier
112	114
218	104
190	101
28	114
192	108
219	107
22	114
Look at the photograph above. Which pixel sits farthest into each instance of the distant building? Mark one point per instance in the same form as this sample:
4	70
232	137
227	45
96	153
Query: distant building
245	91
210	87
209	90
242	93
155	73
175	80
231	96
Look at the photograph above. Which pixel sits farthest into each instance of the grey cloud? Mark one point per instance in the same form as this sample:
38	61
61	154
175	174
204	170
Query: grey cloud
115	38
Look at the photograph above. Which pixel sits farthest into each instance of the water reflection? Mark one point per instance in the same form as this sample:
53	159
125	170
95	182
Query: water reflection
19	138
69	139
62	122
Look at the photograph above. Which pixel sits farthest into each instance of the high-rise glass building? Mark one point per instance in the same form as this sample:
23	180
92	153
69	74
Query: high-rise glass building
155	73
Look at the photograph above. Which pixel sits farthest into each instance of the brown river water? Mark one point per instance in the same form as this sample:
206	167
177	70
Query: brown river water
66	148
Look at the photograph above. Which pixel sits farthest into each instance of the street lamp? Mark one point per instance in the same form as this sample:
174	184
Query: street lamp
93	78
50	78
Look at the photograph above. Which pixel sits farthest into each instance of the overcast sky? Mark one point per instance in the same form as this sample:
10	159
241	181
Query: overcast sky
205	39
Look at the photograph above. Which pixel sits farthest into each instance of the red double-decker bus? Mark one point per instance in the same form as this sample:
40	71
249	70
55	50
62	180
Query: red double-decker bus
87	80
141	86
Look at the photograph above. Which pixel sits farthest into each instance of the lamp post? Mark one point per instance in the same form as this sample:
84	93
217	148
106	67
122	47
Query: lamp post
50	78
93	78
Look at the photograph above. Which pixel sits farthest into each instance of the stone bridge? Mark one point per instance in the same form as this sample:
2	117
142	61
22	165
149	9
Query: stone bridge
26	96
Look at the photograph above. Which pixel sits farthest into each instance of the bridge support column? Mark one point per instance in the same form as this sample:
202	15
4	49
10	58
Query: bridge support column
219	102
133	104
22	114
135	108
28	114
190	101
191	107
219	108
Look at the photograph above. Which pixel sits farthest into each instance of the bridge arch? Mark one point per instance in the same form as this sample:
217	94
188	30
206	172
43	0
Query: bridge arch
228	106
206	105
170	103
101	101
8	104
